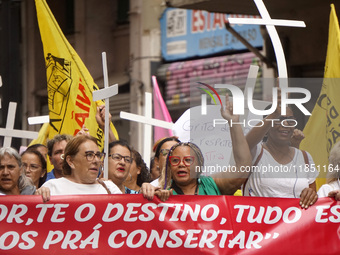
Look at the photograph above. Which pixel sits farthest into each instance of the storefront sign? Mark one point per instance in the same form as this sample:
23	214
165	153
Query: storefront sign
192	33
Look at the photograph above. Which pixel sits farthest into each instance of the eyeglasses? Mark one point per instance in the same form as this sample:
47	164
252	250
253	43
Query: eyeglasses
290	120
117	157
90	155
164	152
32	167
176	160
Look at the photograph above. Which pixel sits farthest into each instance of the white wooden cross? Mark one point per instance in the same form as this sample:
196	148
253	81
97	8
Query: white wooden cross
9	132
148	121
270	25
38	120
105	94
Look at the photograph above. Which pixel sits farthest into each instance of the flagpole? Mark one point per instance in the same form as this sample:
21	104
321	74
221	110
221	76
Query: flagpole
106	125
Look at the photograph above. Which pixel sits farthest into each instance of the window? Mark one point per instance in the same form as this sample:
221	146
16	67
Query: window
63	11
123	7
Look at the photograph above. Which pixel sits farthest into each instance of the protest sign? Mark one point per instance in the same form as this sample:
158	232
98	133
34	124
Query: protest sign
184	225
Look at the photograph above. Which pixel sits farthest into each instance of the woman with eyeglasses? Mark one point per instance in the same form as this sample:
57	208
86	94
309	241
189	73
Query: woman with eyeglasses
34	164
184	161
138	174
182	176
161	153
82	162
120	160
279	170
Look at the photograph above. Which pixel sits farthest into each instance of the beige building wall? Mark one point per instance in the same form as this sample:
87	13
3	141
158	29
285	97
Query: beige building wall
144	47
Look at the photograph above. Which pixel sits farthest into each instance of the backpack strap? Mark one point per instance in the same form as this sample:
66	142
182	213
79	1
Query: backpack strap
255	164
258	157
305	157
104	186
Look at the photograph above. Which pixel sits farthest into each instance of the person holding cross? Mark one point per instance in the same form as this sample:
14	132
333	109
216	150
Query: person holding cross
100	118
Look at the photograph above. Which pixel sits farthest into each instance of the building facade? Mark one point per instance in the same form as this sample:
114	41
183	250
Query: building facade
130	33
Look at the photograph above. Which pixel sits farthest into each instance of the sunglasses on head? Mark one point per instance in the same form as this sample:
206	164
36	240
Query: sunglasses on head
164	152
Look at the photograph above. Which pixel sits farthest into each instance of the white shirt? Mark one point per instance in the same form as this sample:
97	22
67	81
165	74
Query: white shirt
63	186
326	188
272	179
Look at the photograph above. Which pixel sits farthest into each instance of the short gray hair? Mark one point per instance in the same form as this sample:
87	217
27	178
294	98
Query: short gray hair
12	153
23	181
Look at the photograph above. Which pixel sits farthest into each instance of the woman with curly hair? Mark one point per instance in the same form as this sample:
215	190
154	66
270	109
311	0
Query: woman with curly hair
139	172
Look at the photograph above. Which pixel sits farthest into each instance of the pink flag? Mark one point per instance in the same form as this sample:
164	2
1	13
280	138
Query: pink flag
160	112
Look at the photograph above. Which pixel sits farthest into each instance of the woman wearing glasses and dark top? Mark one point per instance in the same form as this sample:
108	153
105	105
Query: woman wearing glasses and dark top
184	159
82	161
34	164
161	152
279	170
120	160
139	172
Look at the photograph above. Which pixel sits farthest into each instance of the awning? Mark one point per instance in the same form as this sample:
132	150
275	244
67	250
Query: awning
180	77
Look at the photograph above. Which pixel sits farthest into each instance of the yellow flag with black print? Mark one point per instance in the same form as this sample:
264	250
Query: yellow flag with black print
322	130
69	83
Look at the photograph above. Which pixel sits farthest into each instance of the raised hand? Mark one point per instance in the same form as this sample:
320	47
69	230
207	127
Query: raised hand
83	131
296	138
100	116
227	112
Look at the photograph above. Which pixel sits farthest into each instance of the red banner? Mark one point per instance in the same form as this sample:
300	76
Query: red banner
107	224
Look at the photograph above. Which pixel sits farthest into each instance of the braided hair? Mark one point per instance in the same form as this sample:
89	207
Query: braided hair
165	182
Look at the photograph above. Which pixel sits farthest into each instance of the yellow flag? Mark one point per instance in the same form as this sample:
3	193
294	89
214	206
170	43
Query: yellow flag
322	130
69	83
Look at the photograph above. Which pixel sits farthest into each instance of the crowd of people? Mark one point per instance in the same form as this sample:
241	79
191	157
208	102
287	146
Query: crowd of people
78	165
